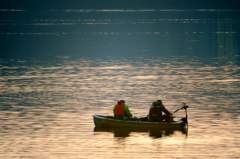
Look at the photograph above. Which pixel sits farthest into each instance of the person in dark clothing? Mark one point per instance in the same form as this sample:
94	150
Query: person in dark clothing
155	112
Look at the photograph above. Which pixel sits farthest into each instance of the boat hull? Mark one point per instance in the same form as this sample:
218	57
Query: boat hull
102	121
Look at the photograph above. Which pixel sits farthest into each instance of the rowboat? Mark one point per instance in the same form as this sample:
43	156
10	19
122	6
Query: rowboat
109	121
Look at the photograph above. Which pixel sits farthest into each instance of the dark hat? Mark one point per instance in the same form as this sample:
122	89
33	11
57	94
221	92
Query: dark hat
155	103
122	101
159	101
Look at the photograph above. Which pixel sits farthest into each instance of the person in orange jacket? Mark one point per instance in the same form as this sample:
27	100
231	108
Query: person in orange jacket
121	111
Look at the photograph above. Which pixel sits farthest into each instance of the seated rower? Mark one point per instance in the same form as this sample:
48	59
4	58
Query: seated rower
155	112
121	111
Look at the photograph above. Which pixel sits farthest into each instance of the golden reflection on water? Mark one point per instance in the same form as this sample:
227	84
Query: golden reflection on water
46	110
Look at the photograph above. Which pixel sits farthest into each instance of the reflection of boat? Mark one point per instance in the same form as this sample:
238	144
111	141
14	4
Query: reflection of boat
155	133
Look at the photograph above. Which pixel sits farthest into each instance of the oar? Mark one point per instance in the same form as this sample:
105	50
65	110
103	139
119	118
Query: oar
184	107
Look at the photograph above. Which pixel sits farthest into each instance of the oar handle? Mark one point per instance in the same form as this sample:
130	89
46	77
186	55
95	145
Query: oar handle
184	107
176	110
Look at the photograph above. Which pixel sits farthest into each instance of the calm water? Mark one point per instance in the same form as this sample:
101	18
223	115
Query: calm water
46	109
60	66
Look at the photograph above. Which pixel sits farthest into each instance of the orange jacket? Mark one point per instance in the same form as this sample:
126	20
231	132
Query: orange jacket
119	110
